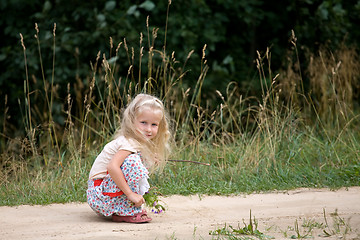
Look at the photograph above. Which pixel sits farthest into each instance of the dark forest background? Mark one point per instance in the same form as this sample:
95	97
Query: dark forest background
233	30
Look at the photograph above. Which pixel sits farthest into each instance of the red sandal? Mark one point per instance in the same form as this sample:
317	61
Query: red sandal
137	218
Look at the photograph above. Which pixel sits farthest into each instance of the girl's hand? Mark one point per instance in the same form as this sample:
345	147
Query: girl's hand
137	199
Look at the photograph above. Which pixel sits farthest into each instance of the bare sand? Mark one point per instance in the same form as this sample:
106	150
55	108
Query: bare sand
192	217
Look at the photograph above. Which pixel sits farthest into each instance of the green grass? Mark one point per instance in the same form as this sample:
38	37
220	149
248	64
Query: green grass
310	228
247	232
307	162
301	160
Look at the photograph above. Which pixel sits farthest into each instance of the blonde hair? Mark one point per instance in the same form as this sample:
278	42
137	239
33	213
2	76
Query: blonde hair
156	150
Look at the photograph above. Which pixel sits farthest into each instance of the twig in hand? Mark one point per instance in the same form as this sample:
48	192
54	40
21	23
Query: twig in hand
206	164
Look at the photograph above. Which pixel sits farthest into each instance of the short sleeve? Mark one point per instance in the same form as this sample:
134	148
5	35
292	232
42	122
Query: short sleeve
123	143
99	167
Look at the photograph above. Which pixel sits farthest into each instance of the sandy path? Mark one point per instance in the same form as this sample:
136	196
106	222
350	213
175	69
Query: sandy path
189	217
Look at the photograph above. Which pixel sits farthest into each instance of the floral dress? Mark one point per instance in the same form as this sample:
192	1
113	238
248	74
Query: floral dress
105	198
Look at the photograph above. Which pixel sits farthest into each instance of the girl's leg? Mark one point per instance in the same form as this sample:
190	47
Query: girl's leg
134	170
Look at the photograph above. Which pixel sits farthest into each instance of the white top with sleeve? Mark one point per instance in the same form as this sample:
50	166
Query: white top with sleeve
99	167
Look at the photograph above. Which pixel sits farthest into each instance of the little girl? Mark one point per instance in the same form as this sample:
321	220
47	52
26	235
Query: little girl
118	177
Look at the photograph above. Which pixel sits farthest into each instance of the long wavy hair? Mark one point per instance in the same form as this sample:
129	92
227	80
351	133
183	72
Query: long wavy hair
156	150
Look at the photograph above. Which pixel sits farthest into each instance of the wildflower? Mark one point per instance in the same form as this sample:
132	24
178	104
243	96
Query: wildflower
152	201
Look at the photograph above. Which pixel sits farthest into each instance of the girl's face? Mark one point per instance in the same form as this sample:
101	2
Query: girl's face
147	122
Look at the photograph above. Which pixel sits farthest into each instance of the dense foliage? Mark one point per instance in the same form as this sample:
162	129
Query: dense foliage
232	30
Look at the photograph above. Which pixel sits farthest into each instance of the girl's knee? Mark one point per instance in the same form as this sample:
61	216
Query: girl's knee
132	163
133	158
133	168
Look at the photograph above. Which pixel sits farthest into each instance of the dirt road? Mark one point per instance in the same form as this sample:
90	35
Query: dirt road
193	217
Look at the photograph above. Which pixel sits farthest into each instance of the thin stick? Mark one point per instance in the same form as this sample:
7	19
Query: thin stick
172	160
